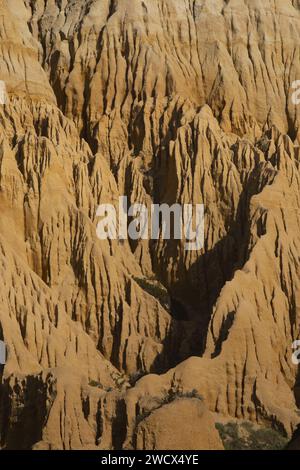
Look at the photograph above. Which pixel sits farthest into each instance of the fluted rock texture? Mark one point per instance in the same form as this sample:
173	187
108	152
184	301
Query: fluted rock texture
163	101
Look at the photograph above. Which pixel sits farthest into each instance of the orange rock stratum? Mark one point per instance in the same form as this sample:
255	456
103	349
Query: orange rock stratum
144	345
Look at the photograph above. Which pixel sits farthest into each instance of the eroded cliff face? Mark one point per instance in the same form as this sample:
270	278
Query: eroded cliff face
163	101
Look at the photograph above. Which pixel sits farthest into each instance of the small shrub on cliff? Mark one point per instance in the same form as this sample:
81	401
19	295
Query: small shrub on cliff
156	290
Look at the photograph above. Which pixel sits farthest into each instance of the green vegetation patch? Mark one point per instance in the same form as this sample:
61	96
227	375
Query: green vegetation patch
246	436
155	289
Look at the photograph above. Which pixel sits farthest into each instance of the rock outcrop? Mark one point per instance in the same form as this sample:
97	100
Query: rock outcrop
163	101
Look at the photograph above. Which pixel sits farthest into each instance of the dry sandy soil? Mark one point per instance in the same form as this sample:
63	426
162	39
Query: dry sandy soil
144	345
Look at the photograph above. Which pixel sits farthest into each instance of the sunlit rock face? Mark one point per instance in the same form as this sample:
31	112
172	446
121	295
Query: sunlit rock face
113	344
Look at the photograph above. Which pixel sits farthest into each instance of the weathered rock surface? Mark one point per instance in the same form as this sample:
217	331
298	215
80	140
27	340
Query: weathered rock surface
162	101
178	425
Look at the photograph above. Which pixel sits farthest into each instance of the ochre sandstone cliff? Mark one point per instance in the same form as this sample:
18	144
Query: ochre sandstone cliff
163	101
